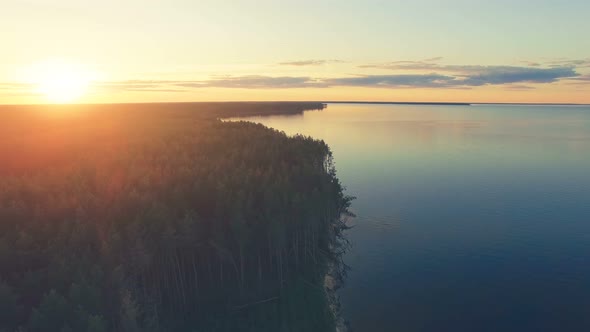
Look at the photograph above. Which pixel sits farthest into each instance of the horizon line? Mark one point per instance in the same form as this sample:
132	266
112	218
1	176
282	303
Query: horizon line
434	103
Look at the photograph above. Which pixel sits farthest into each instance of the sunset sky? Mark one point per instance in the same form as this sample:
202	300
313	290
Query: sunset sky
202	50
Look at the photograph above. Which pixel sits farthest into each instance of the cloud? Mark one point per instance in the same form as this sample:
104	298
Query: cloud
465	77
432	75
428	64
243	82
141	86
462	69
391	81
580	80
519	87
253	82
433	64
157	90
309	62
15	86
579	63
492	75
531	63
476	75
14	89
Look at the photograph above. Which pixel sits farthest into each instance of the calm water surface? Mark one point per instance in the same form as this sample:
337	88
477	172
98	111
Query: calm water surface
470	218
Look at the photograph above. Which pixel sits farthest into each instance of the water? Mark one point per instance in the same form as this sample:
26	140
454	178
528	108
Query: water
470	218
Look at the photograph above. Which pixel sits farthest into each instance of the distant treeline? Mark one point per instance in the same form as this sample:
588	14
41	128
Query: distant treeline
193	110
160	219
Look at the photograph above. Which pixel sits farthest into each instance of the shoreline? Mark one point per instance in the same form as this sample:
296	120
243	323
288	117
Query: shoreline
336	273
332	283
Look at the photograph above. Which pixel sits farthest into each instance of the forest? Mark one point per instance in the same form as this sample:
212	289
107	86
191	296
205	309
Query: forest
161	217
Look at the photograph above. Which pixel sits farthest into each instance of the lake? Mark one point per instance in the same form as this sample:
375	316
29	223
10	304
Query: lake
469	218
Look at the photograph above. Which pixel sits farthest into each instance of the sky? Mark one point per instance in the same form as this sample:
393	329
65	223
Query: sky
324	50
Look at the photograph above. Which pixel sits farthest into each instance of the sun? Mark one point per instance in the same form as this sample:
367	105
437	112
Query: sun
60	82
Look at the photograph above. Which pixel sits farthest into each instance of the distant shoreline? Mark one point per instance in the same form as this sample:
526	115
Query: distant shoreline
209	103
397	103
449	103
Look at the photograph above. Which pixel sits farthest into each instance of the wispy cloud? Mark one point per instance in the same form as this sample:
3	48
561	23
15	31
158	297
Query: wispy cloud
471	76
580	80
477	75
15	89
427	73
531	63
434	64
141	86
428	64
253	82
302	63
468	77
394	81
519	87
493	75
243	82
471	70
578	63
15	86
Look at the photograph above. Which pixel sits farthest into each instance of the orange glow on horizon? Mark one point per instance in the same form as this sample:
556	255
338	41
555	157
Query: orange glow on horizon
58	81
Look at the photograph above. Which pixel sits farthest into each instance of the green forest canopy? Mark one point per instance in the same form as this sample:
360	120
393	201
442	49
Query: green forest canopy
163	218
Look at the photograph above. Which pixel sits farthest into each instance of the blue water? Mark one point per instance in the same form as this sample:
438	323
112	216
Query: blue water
470	218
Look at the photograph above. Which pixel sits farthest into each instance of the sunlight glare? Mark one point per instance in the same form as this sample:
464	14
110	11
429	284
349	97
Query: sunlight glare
60	82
